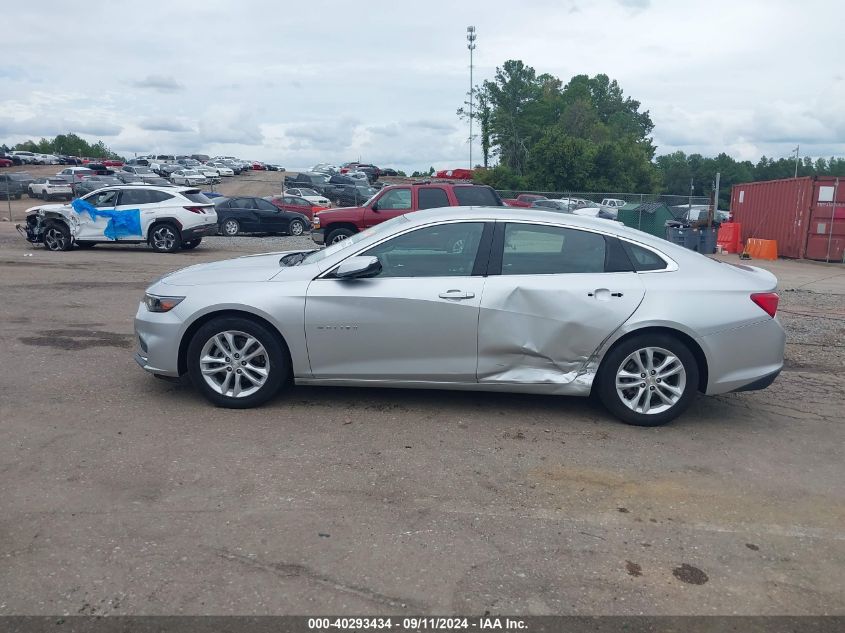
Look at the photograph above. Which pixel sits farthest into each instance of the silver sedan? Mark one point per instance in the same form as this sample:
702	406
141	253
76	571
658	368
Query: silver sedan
487	299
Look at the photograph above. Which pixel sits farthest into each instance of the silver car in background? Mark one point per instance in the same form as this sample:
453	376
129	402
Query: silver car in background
488	299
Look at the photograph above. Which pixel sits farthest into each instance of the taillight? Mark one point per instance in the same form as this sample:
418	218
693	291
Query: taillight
200	210
768	301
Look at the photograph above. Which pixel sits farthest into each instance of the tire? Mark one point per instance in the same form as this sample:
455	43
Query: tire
30	194
670	391
296	227
337	235
224	337
86	245
191	244
44	196
230	227
57	237
164	237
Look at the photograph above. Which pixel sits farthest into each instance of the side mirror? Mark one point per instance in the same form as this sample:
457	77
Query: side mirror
375	206
359	267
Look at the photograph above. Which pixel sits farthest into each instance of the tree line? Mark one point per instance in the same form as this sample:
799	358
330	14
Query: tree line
67	144
587	135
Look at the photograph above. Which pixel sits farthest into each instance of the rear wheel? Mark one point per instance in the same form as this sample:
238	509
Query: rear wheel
648	380
237	363
191	243
297	227
231	227
57	237
165	238
338	235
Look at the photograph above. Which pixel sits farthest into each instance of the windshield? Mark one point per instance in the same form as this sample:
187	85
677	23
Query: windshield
313	258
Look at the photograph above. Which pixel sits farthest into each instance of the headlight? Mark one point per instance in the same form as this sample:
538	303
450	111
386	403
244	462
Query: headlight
161	304
315	221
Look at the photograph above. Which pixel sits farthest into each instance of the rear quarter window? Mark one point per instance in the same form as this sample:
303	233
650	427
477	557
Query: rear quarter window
196	196
473	196
643	259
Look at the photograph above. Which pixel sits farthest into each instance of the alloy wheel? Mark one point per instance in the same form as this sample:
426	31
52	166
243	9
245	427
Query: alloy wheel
234	364
296	228
231	227
164	238
651	380
55	239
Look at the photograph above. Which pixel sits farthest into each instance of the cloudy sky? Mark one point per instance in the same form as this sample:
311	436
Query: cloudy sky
298	83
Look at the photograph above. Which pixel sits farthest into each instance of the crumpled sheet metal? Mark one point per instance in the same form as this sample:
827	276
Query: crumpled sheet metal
541	335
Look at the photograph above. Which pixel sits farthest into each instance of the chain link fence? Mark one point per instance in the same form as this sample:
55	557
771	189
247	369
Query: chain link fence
597	197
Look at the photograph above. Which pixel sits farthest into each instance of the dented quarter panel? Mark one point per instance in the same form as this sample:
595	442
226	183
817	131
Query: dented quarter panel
546	328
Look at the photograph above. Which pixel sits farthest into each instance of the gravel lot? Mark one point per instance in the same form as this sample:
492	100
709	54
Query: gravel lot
122	494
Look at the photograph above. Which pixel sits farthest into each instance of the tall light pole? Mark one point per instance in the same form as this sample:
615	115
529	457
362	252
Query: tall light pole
471	46
797	147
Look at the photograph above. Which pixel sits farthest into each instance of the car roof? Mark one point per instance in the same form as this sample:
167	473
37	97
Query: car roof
529	214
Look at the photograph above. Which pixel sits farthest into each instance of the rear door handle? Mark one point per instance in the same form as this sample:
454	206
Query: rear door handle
456	294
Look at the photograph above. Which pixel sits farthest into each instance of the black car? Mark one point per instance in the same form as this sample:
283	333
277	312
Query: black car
11	188
100	169
387	171
355	196
92	183
312	180
339	185
249	214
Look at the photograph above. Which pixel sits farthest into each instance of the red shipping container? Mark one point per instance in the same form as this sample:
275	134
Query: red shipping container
799	213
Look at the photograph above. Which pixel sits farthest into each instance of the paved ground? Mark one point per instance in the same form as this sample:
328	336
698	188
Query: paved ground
123	494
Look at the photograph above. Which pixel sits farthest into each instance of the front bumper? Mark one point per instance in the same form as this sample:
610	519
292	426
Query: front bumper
319	236
157	336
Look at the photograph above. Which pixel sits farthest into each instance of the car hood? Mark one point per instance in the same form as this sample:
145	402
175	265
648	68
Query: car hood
246	269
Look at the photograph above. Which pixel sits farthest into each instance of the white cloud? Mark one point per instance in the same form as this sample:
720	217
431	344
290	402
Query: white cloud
159	83
384	83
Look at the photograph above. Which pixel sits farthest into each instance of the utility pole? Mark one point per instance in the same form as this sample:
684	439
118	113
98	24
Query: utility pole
471	46
691	189
797	147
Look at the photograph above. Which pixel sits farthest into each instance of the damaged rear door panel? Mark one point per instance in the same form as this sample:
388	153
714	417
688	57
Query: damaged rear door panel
551	308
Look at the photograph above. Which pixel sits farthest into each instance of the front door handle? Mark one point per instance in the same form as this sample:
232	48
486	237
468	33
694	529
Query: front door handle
456	294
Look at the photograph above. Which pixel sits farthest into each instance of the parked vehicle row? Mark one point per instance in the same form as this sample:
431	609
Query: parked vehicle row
168	218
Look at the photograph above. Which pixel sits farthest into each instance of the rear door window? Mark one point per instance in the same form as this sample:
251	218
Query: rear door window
533	249
432	198
473	196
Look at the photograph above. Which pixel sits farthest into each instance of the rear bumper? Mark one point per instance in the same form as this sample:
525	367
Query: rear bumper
745	358
319	236
760	383
200	230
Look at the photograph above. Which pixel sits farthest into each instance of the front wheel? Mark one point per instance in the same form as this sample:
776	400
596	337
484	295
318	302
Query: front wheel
165	238
296	228
57	237
237	363
648	380
338	235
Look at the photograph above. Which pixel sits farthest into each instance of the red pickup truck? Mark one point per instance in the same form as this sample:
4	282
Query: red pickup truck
333	225
523	200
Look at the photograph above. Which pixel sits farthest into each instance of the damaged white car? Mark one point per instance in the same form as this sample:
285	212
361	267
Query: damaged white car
166	218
